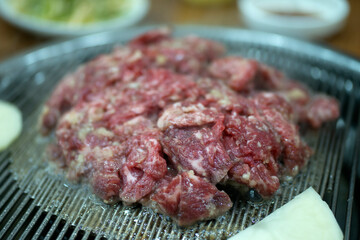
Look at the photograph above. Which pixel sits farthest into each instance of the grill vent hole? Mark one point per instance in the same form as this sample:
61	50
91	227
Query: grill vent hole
37	224
58	229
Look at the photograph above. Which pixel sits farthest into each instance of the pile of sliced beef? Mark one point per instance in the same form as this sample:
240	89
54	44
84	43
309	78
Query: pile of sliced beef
162	121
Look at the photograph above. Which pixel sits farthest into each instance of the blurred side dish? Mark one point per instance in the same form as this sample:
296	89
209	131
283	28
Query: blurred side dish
76	12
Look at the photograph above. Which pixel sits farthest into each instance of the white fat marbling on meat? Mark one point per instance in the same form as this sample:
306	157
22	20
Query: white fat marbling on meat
129	177
196	164
246	176
181	116
72	117
83	132
104	132
198	135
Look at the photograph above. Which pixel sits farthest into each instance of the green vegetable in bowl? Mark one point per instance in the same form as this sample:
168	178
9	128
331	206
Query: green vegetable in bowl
76	12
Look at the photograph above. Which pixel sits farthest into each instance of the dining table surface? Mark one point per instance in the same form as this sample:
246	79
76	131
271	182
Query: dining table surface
14	40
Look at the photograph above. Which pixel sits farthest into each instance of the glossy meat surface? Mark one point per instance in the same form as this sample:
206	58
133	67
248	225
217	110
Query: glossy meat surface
188	198
162	120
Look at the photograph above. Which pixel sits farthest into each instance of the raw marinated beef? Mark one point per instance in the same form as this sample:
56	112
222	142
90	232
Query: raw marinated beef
162	121
321	109
255	147
238	72
188	198
277	112
141	167
197	146
155	49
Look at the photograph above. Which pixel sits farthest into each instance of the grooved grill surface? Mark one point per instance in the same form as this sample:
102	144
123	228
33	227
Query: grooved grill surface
38	203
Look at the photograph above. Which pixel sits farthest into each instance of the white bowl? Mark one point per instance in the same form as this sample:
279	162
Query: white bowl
137	10
307	19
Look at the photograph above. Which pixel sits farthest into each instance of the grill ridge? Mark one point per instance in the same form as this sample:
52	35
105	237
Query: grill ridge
21	214
354	168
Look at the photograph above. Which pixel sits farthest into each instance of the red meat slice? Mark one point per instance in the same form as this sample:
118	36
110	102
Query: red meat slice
69	138
252	137
90	153
197	149
162	87
255	147
213	119
296	93
321	109
188	198
193	142
186	115
105	179
298	97
90	150
270	78
142	166
255	175
296	153
239	73
116	113
133	127
151	37
278	112
187	55
148	95
220	96
122	167
184	55
275	101
87	80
